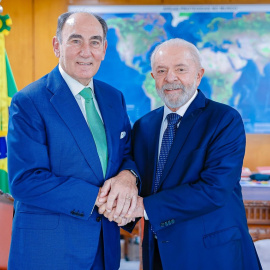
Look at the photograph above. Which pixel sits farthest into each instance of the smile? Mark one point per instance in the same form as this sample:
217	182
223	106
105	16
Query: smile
84	64
169	90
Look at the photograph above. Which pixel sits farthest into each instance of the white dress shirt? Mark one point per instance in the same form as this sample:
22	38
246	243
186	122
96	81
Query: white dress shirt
181	111
75	88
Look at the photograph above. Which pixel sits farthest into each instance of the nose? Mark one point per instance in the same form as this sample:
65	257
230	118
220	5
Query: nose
171	76
85	50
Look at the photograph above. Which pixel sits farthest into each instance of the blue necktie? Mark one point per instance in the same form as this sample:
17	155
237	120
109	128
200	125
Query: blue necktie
167	141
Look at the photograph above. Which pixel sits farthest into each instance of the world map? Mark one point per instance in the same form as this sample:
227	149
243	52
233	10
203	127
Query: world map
234	42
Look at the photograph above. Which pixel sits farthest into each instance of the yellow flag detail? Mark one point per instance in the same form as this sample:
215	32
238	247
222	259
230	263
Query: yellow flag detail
4	99
7	89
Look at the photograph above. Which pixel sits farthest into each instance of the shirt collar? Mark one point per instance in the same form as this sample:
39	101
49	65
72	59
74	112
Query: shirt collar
181	111
74	86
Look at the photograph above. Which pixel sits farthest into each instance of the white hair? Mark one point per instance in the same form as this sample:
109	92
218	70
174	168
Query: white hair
179	43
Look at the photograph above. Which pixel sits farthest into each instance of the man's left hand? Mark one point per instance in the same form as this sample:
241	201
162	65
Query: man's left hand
138	212
139	209
121	221
121	188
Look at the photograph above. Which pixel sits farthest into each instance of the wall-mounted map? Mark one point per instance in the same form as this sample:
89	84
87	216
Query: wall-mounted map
234	41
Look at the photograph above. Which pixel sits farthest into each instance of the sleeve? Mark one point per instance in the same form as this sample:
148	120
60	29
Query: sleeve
128	162
30	177
215	184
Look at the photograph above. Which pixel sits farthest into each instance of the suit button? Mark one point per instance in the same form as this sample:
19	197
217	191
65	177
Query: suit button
98	219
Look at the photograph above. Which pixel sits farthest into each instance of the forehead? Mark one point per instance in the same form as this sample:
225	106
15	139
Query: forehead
82	23
172	56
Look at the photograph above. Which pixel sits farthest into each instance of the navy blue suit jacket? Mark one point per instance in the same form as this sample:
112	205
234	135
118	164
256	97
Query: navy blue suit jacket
55	175
198	213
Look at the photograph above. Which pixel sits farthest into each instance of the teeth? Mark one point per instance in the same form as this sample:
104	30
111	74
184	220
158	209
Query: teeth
85	64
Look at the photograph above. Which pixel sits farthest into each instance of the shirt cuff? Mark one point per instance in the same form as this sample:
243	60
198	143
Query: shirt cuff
145	215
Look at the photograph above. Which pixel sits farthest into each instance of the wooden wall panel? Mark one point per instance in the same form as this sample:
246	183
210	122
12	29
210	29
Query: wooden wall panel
29	46
84	2
45	21
19	42
257	151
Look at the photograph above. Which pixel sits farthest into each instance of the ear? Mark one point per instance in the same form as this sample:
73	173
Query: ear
104	49
56	46
199	76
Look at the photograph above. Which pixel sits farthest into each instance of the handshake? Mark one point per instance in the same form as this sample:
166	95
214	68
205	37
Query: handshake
118	199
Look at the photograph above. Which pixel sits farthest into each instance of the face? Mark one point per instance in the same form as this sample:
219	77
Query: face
176	74
83	47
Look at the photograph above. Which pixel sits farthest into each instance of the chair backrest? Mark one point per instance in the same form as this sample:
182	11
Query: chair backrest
6	216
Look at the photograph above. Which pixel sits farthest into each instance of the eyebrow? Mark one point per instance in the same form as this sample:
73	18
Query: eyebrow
178	65
161	67
96	37
181	65
75	36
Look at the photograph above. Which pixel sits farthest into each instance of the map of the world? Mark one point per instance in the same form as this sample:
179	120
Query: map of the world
234	41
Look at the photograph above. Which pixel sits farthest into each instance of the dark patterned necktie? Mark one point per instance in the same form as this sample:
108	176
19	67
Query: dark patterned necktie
167	141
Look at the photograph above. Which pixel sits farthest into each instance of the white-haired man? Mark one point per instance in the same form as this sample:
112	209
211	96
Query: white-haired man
189	154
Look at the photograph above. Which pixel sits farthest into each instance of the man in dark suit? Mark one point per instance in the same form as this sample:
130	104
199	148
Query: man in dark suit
68	133
189	154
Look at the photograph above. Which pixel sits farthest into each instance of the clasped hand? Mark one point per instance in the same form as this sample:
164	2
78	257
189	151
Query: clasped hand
118	198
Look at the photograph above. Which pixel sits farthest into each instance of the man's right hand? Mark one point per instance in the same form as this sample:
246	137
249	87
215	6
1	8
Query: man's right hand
99	202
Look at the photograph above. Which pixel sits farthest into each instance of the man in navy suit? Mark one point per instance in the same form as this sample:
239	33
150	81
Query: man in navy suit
189	154
58	162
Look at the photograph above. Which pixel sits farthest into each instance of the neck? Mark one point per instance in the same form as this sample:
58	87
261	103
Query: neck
174	109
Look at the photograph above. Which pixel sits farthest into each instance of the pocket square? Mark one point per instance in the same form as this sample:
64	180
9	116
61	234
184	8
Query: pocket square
122	135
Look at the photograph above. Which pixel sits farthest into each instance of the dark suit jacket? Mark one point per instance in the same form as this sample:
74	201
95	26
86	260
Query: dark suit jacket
55	175
198	213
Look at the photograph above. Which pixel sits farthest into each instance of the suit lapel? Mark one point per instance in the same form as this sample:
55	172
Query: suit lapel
68	109
153	138
187	122
110	119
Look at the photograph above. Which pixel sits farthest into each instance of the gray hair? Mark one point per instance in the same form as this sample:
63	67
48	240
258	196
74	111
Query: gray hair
63	18
179	43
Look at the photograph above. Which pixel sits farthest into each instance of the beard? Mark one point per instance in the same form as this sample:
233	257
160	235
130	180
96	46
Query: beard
178	99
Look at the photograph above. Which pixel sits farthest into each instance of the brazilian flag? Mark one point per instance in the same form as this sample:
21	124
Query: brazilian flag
7	89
